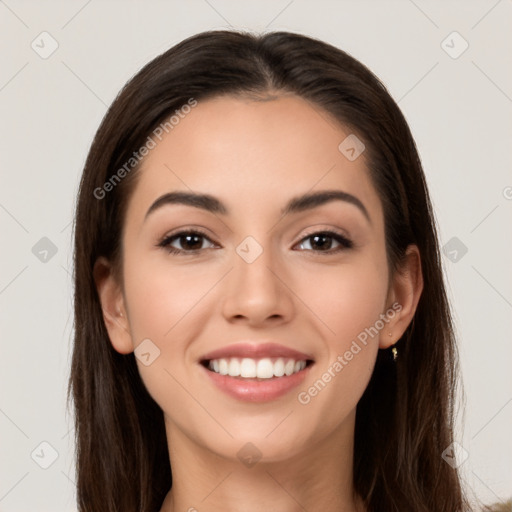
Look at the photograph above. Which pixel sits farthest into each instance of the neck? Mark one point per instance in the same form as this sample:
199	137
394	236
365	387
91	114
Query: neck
319	478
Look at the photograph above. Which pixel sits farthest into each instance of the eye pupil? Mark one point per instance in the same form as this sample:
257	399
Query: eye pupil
321	236
192	236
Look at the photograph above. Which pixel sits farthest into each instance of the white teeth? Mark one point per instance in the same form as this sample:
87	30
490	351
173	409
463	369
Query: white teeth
248	368
234	367
289	367
223	366
265	368
279	367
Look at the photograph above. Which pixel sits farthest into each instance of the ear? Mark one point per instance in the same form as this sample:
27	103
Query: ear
403	296
112	304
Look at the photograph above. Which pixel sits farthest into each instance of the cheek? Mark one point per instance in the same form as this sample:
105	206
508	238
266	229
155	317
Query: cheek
161	301
348	299
164	303
349	302
160	296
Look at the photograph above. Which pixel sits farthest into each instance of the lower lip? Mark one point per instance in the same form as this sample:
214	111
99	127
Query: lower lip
250	390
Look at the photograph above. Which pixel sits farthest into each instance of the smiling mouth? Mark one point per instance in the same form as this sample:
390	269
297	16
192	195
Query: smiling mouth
256	369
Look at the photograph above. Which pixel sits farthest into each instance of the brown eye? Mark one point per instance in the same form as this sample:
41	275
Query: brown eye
190	242
322	241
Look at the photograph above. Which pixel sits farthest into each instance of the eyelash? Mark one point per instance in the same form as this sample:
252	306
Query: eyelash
344	242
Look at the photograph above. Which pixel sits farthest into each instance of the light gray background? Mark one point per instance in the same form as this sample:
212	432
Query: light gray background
459	110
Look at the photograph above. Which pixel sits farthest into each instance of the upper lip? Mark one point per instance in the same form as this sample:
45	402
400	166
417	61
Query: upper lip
256	350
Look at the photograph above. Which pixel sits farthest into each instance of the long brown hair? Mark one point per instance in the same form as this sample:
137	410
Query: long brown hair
405	419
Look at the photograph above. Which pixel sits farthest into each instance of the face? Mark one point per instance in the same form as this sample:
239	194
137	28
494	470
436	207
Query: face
246	287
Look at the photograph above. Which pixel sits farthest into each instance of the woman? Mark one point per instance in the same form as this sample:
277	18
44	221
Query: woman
259	301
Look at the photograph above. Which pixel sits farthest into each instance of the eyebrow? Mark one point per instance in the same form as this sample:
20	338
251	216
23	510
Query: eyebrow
295	205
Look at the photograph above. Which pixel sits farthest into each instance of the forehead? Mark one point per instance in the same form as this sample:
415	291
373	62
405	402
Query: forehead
254	154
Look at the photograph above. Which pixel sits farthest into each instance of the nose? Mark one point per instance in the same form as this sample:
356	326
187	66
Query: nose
256	291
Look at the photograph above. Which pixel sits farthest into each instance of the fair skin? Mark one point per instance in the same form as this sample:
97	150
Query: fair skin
254	156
